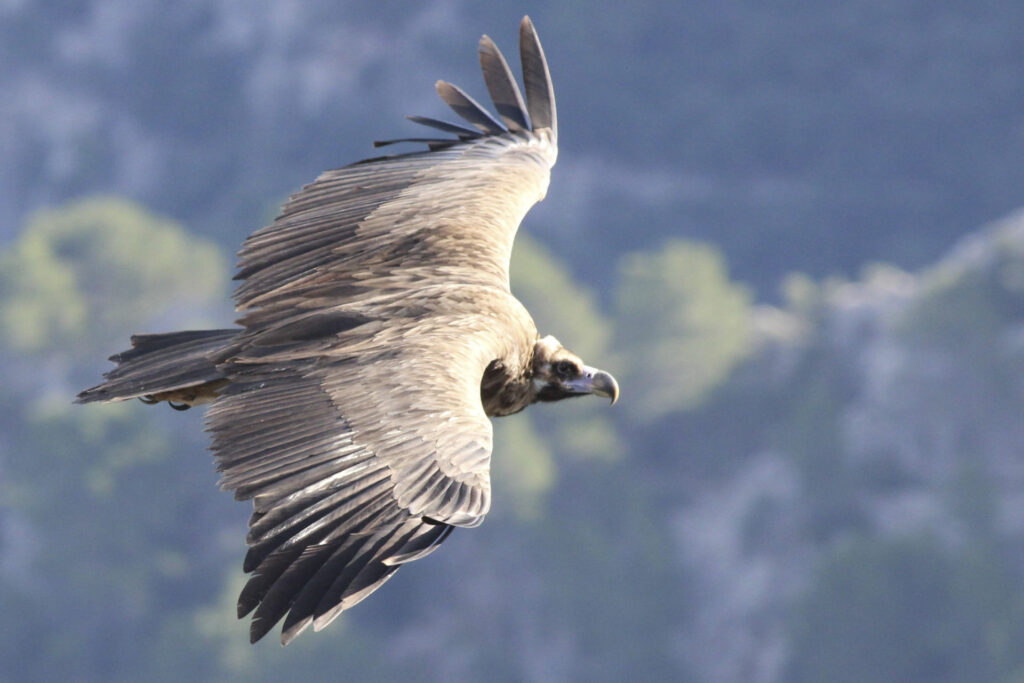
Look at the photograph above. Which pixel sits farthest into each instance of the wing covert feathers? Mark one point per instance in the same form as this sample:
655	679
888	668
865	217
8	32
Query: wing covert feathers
448	214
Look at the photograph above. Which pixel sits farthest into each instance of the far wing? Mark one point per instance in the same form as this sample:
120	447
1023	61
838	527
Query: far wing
448	215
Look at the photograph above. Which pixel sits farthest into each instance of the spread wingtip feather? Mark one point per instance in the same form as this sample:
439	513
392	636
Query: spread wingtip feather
501	85
468	108
540	94
517	113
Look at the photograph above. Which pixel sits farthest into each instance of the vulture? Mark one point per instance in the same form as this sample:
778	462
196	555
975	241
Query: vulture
376	336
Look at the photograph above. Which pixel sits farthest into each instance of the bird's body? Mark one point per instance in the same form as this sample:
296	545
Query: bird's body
378	335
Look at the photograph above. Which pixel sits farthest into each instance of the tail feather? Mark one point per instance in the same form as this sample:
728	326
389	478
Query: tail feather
172	366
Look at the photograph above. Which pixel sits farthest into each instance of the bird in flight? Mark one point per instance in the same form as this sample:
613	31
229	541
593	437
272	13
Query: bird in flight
377	337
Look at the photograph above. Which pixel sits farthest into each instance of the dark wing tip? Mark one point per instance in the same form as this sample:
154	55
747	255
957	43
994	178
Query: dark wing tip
259	628
291	631
501	85
461	131
540	93
536	112
468	108
431	143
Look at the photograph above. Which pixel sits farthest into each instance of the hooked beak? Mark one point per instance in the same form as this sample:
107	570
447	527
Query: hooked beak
597	382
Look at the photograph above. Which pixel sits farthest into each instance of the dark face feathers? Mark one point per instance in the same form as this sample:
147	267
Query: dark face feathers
559	373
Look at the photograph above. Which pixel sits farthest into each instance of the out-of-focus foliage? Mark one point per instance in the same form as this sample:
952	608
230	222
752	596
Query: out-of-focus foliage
98	505
685	325
818	480
104	539
712	543
84	274
795	136
558	303
522	468
134	542
909	609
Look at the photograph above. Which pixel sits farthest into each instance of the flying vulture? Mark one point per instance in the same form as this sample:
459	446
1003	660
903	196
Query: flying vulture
378	336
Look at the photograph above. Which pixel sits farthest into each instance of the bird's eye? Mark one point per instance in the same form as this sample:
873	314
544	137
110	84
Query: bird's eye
565	368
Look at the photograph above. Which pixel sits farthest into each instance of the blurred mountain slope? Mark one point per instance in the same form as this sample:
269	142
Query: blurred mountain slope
826	134
877	427
851	463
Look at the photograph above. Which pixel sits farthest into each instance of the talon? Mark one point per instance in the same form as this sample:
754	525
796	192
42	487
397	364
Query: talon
148	399
178	406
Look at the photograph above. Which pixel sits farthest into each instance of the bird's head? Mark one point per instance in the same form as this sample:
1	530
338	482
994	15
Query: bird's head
559	373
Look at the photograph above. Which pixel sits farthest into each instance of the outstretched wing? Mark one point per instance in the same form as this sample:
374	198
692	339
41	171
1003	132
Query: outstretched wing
372	307
445	215
356	461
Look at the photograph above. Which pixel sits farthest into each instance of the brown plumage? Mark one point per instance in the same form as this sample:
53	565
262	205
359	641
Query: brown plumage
378	336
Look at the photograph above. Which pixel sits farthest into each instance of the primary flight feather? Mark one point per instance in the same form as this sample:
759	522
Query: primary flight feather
378	337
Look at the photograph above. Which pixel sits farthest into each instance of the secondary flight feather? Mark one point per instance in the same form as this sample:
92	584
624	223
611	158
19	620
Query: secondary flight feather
377	338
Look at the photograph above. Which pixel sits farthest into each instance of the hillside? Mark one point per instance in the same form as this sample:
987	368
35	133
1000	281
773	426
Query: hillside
846	463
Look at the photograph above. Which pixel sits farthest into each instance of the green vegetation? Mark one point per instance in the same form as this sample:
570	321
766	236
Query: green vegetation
826	488
120	561
685	324
84	275
104	498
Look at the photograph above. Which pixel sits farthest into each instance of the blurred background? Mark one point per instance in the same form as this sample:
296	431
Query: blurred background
790	229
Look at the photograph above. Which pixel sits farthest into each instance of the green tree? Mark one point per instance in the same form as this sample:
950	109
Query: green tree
559	305
109	544
682	324
84	276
